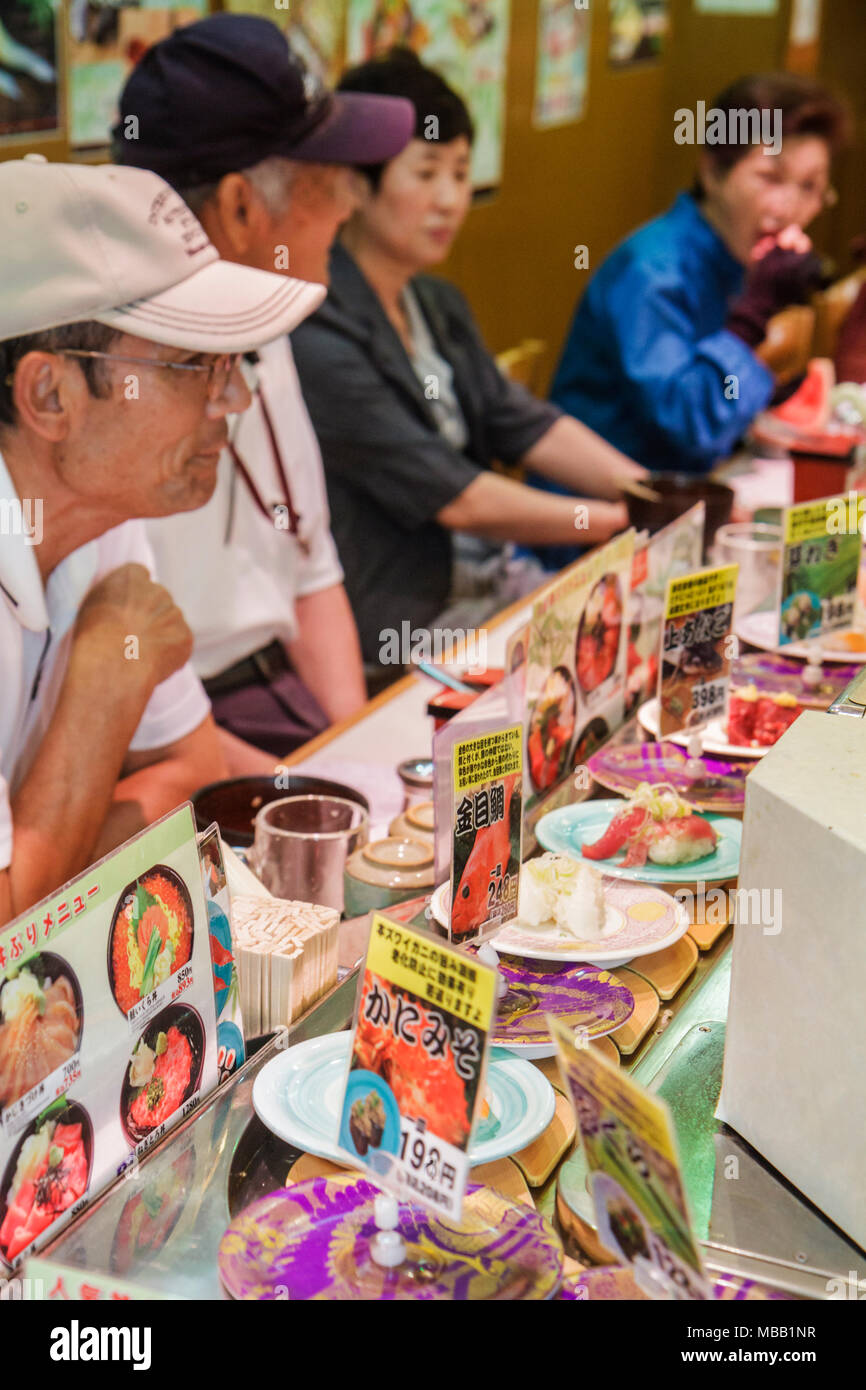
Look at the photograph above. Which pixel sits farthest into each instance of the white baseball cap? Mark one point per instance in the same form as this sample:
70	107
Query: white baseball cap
119	246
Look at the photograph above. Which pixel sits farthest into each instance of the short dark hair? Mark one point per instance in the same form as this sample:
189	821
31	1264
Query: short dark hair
807	108
400	73
93	337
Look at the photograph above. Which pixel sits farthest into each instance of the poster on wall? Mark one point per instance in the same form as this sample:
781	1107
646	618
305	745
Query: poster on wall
561	65
465	40
29	94
737	6
636	32
314	28
104	42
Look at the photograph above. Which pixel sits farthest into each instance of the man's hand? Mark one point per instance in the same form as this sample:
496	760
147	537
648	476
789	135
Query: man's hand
128	619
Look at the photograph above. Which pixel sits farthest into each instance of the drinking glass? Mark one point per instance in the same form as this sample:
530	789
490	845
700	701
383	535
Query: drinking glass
757	548
301	845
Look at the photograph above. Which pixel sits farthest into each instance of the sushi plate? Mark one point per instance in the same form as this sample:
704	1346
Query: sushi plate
762	630
714	736
566	831
587	1000
299	1095
640	919
714	785
314	1241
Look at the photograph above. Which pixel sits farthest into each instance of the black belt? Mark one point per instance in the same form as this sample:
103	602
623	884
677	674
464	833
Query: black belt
259	669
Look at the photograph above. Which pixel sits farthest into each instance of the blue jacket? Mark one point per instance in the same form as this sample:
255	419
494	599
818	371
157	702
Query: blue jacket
648	363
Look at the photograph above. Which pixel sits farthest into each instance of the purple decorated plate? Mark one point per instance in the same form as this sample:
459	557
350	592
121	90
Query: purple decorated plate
616	1283
312	1241
585	999
777	675
715	785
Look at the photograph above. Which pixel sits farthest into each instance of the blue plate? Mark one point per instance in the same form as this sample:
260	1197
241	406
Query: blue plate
565	832
299	1093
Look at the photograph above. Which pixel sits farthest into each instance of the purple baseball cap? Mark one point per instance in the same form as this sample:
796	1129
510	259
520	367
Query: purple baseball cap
226	92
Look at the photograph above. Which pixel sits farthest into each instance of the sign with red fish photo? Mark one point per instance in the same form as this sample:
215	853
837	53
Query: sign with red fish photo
696	651
487	826
107	1028
575	676
417	1065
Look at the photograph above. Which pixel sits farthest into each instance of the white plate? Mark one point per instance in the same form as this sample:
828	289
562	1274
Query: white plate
649	919
761	630
714	737
299	1095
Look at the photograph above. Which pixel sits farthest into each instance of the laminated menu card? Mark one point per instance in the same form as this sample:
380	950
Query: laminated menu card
107	1028
417	1065
486	829
820	563
696	651
637	1187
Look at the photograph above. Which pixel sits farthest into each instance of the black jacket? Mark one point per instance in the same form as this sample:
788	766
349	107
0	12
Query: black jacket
389	471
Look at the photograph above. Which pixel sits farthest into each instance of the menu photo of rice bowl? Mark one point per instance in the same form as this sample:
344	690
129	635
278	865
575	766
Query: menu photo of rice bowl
41	1017
163	1071
151	935
47	1173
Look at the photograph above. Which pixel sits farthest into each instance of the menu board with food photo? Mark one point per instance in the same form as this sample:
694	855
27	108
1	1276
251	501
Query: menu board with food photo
673	551
417	1065
820	565
487	828
695	657
230	1036
575	676
107	1027
634	1173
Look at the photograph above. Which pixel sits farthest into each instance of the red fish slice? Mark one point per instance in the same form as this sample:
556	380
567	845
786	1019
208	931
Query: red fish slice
621	829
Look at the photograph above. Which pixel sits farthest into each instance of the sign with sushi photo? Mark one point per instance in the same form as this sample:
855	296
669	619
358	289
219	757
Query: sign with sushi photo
107	1028
417	1065
820	563
575	676
637	1187
695	655
487	826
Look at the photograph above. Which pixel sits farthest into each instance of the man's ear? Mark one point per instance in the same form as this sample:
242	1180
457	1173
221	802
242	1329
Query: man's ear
234	218
44	393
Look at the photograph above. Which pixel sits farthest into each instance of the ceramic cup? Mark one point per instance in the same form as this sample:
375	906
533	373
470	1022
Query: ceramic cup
302	843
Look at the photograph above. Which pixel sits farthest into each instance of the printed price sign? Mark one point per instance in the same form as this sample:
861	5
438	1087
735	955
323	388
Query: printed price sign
230	1035
820	560
417	1065
694	661
637	1188
108	1028
486	832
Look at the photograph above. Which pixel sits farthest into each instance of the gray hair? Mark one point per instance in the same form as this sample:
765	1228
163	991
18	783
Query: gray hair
272	178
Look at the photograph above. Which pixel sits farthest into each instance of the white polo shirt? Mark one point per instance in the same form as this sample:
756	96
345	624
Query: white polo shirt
36	625
233	571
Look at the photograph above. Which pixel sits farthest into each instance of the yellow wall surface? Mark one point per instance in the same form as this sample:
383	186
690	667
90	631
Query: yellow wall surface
593	181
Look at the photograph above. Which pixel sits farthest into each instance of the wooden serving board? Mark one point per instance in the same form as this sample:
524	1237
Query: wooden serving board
668	970
646	1010
607	1047
538	1160
705	933
503	1176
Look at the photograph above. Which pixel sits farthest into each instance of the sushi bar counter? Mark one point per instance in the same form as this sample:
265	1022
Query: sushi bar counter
582	972
159	1228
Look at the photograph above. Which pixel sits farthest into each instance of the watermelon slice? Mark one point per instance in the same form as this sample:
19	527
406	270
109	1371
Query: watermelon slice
809	407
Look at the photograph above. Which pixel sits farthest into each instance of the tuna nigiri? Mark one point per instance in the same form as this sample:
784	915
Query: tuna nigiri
655	824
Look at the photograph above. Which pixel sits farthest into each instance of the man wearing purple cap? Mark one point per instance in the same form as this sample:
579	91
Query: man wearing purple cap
226	113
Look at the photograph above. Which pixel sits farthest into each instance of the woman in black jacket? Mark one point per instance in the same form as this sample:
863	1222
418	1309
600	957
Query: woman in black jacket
410	408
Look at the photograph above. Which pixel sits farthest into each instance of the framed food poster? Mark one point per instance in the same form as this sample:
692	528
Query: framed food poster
108	1033
487	826
820	565
696	651
575	677
230	1028
637	1186
417	1065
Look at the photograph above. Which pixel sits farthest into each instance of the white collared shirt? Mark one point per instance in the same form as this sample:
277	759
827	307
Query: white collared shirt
234	572
36	623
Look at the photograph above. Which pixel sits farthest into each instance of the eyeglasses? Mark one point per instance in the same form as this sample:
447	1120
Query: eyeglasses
219	370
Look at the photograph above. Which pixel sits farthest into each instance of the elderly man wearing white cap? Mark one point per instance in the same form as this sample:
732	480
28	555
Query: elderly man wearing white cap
120	333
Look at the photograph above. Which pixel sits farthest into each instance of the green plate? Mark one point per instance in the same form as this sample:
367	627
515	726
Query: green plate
565	832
